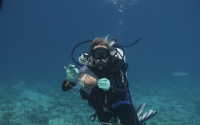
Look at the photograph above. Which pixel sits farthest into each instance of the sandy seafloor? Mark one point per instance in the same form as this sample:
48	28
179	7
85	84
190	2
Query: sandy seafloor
47	104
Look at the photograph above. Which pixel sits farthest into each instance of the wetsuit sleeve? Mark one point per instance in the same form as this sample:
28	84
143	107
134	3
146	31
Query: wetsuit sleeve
120	89
66	85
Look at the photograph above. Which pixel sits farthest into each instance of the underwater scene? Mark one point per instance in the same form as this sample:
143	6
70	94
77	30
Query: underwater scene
107	62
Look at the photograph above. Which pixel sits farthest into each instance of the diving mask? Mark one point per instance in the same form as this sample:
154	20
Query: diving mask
100	53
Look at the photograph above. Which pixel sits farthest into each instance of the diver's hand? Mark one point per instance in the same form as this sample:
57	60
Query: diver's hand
70	72
104	84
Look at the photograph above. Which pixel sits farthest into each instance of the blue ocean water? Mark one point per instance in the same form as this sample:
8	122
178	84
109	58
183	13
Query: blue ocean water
37	38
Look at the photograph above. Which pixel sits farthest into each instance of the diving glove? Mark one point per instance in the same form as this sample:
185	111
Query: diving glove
70	72
104	84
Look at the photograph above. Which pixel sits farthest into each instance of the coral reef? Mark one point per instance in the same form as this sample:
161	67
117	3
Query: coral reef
46	104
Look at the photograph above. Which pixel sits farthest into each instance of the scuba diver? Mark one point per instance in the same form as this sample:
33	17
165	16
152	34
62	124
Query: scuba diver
106	88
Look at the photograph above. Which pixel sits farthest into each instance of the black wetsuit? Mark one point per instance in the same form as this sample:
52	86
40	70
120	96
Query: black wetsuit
118	96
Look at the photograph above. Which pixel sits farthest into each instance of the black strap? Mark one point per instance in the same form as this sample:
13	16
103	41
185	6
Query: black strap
124	68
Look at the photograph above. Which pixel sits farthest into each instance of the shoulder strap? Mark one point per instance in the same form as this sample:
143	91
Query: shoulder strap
116	67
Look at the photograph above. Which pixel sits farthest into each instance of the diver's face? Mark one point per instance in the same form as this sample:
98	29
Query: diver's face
97	60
